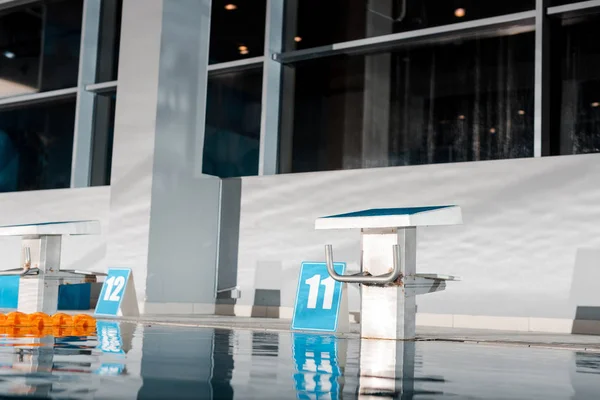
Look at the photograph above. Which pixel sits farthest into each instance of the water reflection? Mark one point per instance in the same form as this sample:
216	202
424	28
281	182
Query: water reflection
319	363
163	362
387	369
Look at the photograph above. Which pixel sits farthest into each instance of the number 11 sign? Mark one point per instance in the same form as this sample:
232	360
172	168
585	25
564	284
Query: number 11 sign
117	297
320	300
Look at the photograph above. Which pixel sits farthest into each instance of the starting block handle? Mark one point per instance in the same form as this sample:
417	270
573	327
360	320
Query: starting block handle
359	278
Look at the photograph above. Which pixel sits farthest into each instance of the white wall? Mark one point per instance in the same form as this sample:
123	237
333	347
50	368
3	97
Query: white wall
530	245
79	252
525	221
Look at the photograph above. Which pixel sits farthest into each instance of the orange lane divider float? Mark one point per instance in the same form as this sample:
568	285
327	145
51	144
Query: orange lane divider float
40	324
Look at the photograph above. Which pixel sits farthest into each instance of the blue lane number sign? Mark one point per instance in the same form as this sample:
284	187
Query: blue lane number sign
113	291
318	298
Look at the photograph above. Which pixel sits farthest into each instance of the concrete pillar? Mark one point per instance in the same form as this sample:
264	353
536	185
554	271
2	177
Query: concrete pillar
163	211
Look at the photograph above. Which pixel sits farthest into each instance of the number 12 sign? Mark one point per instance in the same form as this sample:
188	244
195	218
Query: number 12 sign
117	297
320	300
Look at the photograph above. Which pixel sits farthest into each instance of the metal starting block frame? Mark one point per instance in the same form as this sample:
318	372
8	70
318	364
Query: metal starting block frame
388	278
40	274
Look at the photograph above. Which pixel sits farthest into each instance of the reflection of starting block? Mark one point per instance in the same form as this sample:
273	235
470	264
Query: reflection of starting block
40	275
388	278
386	367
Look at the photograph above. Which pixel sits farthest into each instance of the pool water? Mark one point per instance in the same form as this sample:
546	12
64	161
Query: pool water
127	361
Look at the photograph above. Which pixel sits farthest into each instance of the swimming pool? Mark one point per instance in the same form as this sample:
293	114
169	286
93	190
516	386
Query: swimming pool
144	361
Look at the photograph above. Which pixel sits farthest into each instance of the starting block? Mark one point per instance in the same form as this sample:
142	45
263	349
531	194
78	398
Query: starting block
40	275
388	277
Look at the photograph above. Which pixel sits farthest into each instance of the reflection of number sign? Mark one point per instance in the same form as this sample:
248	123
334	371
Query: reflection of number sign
118	294
110	341
319	298
110	369
317	368
109	337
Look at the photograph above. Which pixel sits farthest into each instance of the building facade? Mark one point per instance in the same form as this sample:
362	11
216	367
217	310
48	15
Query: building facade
207	136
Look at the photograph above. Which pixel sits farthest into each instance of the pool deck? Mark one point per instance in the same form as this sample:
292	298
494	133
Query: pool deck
490	337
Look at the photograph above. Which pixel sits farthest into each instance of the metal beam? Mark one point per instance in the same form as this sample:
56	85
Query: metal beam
271	93
9	102
204	19
541	120
4	4
102	87
288	93
487	27
237	65
575	9
84	111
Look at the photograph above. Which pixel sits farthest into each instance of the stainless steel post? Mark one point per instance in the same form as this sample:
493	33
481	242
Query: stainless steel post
40	292
388	311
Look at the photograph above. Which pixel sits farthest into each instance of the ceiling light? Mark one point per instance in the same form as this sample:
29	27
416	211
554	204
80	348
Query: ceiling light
461	117
459	12
244	52
521	112
297	39
230	7
9	54
596	104
492	130
243	48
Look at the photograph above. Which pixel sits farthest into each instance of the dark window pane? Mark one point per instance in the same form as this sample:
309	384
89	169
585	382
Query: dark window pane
109	40
320	22
36	145
39	47
104	129
579	87
237	29
470	100
233	124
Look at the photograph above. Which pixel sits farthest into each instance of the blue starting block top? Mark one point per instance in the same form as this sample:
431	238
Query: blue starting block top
393	218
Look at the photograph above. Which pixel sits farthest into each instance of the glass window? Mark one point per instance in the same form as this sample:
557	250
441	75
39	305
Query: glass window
104	129
465	101
319	22
109	40
237	30
39	47
579	87
233	124
36	146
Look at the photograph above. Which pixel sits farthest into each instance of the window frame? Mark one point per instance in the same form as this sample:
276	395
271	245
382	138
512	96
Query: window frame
85	91
275	60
